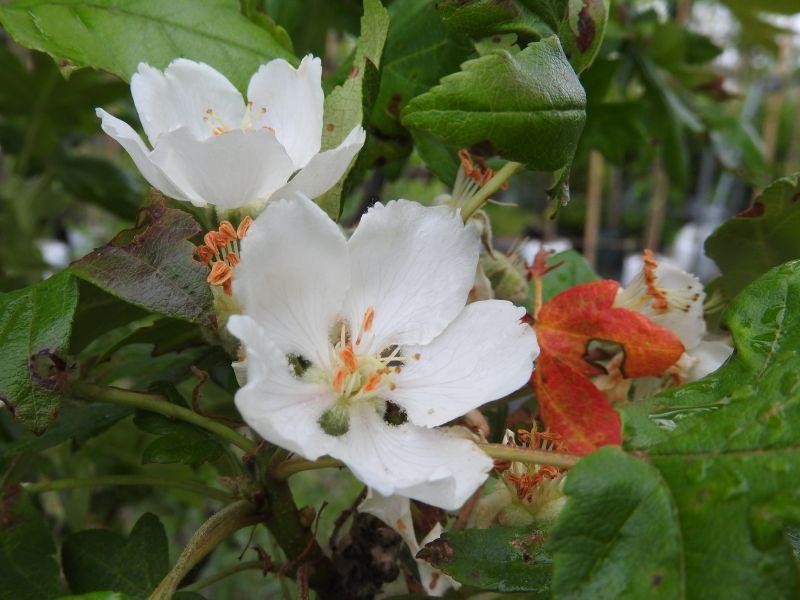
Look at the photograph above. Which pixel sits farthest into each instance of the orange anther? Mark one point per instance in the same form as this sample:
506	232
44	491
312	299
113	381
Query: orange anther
372	382
659	297
220	273
369	315
349	359
226	232
232	258
203	254
417	356
210	240
244	226
338	380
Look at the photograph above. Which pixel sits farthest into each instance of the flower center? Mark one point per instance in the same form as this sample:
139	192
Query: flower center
359	377
219	126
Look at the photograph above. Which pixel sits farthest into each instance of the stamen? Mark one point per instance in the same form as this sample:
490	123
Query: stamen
232	258
227	232
204	254
372	383
659	297
338	380
243	227
369	315
220	273
349	359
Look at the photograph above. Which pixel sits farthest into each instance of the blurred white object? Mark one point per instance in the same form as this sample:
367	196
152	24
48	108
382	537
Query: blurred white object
687	250
55	253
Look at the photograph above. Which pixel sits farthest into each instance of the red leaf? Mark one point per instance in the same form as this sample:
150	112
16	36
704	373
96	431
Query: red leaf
570	321
573	407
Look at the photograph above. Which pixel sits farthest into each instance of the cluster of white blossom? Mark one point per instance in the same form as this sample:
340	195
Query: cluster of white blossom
364	348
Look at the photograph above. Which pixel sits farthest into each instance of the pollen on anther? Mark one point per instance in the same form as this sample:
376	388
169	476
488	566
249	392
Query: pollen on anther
369	315
349	358
220	273
244	226
372	383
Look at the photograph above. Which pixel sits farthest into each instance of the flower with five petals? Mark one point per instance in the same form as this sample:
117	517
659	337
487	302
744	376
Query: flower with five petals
360	349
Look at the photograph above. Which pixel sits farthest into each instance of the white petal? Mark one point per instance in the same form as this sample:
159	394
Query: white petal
707	358
293	276
435	466
684	294
290	101
181	97
325	169
277	405
230	170
484	354
395	511
414	266
134	146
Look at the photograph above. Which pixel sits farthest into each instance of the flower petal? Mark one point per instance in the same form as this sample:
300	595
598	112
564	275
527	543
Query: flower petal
290	101
435	466
134	146
484	354
281	408
230	170
293	276
181	97
325	169
414	266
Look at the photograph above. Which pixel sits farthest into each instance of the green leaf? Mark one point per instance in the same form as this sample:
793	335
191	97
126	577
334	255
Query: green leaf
501	558
419	51
151	266
75	423
618	535
583	30
709	509
572	270
350	104
116	35
99	559
484	18
178	442
99	312
759	238
536	120
28	570
35	325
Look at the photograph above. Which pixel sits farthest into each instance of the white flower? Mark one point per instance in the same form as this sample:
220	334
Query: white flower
209	146
395	511
374	327
672	298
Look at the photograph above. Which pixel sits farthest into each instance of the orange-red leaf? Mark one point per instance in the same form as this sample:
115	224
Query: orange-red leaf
573	407
570	321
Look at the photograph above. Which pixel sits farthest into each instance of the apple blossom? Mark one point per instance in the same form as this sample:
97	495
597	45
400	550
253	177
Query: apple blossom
673	298
359	349
209	146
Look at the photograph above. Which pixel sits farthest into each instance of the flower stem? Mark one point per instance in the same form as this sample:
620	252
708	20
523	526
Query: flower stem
491	186
289	467
232	570
528	455
158	404
113	480
226	522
